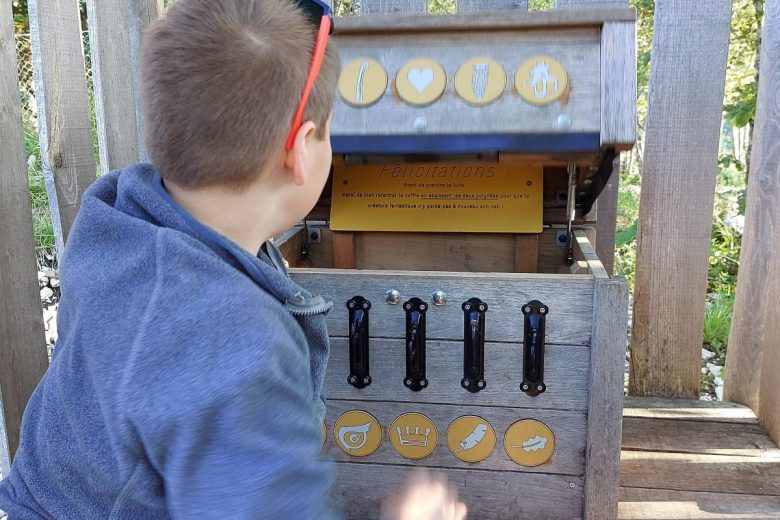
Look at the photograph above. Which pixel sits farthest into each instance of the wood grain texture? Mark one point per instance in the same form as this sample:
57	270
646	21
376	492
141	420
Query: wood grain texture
566	371
565	4
606	216
513	496
577	49
570	299
63	109
618	85
752	359
605	408
526	253
678	184
687	410
23	357
568	428
584	250
658	504
393	6
344	251
112	77
465	6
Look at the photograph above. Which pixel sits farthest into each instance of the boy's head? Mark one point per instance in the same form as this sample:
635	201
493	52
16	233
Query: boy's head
221	80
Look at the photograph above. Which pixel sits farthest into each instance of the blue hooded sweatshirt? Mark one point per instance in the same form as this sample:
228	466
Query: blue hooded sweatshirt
186	381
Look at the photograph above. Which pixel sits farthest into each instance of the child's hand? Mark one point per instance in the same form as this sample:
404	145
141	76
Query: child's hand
426	497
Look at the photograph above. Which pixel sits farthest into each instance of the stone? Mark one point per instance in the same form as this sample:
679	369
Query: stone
46	293
715	370
706	355
54	282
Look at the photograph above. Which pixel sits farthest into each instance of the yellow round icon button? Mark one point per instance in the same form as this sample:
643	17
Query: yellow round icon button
324	433
357	433
413	436
362	82
420	81
471	438
480	81
541	80
529	442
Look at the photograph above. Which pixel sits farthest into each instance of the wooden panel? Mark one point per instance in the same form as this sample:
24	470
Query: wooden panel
63	109
344	251
570	299
565	4
568	428
605	409
526	253
551	253
618	80
752	358
514	495
576	49
606	215
491	5
584	251
566	375
112	76
678	185
23	357
687	409
657	504
393	6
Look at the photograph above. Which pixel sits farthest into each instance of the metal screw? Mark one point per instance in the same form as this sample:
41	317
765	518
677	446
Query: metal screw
439	298
351	304
564	122
408	306
481	384
466	382
366	380
543	310
392	297
423	383
572	485
408	382
423	307
467	307
352	380
420	124
539	387
527	309
482	308
366	305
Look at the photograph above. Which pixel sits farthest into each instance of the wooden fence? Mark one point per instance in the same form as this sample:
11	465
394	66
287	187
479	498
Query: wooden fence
678	183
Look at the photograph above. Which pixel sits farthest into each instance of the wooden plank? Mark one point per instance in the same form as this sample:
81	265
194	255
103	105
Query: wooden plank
112	77
393	6
566	4
514	495
678	185
605	409
656	504
752	358
490	21
585	250
569	297
697	472
465	6
670	435
618	85
63	109
687	409
23	358
568	428
344	250
526	253
566	372
606	216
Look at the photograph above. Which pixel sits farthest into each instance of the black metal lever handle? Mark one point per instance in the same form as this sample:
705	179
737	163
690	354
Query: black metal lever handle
359	376
415	344
474	345
533	348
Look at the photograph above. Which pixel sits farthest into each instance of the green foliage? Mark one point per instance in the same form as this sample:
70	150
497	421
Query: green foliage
717	323
442	6
741	85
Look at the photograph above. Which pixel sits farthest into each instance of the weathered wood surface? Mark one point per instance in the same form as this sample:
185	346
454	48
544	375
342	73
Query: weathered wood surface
465	6
112	73
570	299
566	371
618	85
393	6
605	408
344	251
678	185
526	253
753	358
606	215
687	409
577	49
568	428
63	109
658	504
23	357
584	250
565	4
514	495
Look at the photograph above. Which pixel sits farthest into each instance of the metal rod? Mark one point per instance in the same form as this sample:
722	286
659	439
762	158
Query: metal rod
571	209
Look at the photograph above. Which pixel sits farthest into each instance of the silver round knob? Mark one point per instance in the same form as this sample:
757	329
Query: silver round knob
392	297
564	122
439	298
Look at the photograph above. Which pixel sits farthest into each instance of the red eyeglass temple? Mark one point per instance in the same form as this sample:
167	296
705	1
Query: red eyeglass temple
314	72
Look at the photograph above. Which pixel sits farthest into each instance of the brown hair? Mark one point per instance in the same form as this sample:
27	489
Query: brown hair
220	82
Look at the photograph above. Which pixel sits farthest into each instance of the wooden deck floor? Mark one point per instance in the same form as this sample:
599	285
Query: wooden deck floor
696	460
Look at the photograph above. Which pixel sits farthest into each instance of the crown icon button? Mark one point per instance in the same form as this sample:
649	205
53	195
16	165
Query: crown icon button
413	436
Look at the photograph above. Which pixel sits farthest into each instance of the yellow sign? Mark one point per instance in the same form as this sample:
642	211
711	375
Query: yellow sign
357	433
529	442
541	80
480	81
471	438
437	197
413	436
362	82
420	82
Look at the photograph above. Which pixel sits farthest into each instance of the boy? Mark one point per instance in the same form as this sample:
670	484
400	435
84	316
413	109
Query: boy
187	377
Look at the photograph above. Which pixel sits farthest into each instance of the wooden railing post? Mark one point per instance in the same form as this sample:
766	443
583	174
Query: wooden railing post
753	358
23	357
687	79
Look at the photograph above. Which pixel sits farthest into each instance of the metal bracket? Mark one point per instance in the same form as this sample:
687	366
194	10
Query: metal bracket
474	345
415	344
358	308
535	313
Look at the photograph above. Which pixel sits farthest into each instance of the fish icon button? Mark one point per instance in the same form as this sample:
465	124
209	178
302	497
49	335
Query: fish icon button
357	433
471	438
529	443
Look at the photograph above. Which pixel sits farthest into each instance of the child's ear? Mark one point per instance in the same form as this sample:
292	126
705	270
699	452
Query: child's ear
296	159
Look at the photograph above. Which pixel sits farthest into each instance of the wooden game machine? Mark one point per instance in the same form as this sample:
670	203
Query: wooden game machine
474	329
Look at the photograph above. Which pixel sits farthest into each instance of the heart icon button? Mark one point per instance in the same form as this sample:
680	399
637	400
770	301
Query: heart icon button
420	79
